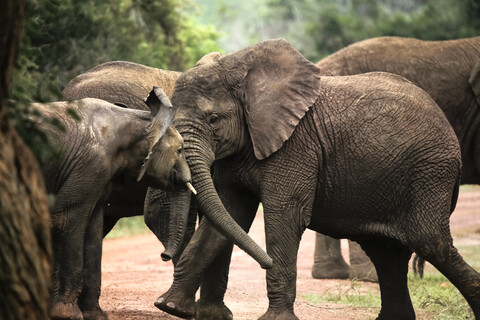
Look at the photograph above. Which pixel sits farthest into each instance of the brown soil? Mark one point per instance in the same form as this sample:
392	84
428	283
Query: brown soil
134	274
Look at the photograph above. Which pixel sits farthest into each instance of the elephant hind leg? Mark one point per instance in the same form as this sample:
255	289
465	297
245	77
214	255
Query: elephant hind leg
391	261
450	263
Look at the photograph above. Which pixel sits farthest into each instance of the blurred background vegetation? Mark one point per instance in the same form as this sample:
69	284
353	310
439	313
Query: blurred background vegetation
64	38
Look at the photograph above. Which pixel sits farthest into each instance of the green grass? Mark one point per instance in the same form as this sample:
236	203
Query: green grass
433	297
130	226
469	187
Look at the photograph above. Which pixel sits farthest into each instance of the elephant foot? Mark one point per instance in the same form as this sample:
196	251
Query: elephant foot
210	311
62	310
364	272
284	315
95	314
176	304
331	269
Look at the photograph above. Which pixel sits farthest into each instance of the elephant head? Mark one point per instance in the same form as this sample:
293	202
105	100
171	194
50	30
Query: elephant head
165	167
225	107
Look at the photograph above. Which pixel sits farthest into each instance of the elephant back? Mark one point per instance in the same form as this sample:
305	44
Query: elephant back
120	82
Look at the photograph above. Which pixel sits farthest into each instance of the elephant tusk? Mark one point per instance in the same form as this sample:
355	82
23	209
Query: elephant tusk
189	186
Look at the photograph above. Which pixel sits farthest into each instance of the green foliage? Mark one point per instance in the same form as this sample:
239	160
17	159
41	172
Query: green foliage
64	38
320	27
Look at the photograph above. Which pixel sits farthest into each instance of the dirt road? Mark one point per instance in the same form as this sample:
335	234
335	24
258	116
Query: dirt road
134	275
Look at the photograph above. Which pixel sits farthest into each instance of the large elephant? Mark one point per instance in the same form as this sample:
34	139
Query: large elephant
106	141
368	157
450	72
125	83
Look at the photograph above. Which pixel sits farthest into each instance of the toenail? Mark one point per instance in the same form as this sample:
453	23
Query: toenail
171	305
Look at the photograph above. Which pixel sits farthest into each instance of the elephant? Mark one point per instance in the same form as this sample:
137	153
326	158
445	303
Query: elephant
447	70
125	84
367	157
107	141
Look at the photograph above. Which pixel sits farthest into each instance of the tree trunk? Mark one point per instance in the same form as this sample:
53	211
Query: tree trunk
25	253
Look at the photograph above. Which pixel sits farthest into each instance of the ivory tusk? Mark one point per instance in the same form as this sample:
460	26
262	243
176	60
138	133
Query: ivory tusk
189	186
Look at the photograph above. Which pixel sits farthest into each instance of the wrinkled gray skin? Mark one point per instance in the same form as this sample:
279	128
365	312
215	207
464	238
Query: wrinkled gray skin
368	157
126	83
447	70
108	141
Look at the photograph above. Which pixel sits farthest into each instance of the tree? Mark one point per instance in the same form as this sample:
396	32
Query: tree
25	254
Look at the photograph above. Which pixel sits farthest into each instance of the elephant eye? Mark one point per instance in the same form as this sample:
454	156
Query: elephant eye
213	119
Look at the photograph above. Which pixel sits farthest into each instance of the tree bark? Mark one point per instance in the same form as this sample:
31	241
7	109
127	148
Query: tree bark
25	253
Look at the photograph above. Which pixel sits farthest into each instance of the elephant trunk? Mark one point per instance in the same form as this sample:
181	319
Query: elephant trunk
200	160
179	210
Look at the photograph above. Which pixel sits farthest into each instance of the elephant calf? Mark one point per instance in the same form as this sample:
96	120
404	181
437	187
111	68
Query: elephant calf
108	141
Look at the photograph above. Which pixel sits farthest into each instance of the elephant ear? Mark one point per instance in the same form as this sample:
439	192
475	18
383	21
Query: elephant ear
208	58
474	81
279	89
161	111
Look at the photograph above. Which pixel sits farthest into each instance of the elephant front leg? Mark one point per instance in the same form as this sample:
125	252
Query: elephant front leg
283	238
242	206
213	287
67	240
202	249
92	269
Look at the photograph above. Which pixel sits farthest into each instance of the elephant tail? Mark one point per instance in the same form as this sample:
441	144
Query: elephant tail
418	262
418	265
456	190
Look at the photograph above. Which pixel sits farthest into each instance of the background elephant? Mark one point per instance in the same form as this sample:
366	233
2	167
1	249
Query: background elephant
106	142
450	72
125	83
369	157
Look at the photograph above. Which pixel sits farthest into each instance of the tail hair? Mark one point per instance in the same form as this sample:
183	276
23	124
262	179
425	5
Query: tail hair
418	265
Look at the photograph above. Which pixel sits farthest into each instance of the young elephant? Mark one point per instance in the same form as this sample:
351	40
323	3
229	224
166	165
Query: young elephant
449	71
126	84
368	157
108	141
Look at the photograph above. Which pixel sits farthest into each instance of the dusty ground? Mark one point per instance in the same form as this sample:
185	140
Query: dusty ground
134	275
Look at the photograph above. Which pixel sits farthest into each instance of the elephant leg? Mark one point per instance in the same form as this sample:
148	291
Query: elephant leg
466	279
328	261
68	230
88	300
361	267
243	208
202	249
206	260
213	286
391	261
283	236
443	255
